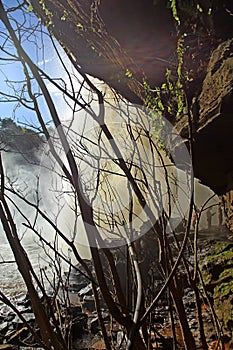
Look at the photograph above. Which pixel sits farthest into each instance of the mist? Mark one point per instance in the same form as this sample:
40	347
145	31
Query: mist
39	180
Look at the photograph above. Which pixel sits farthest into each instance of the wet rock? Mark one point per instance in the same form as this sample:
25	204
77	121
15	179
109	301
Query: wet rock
121	338
4	327
25	302
158	319
106	316
87	290
29	317
193	323
99	345
76	287
94	325
79	325
75	311
88	303
77	279
74	300
9	316
191	304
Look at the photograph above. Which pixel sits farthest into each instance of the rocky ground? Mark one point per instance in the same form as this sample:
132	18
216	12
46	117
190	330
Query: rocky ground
216	264
221	302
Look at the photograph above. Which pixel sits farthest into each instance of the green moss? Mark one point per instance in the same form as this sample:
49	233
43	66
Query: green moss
223	290
217	273
206	276
219	247
226	273
222	253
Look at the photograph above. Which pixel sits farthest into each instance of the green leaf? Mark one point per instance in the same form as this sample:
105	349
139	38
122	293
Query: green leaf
30	8
174	11
79	25
128	73
199	8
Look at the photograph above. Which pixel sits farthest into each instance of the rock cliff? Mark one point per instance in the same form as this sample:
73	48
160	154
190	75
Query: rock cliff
126	43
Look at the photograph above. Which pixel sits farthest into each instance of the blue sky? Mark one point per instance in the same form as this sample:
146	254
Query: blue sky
11	72
42	52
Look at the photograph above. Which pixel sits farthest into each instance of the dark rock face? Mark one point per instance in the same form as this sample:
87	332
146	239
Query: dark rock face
213	127
214	136
109	37
213	122
115	36
146	32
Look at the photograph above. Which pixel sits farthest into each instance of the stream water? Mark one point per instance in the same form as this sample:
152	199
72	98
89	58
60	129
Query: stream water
11	283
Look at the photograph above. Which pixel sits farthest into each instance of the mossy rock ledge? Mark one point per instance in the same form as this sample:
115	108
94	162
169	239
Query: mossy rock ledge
218	276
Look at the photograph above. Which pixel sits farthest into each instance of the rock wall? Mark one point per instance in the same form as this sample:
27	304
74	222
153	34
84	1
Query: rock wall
213	127
214	124
213	161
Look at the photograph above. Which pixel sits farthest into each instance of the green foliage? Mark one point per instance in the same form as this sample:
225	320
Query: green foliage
30	8
173	4
155	111
178	87
128	73
169	99
223	290
153	99
64	16
48	14
199	8
80	26
191	8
